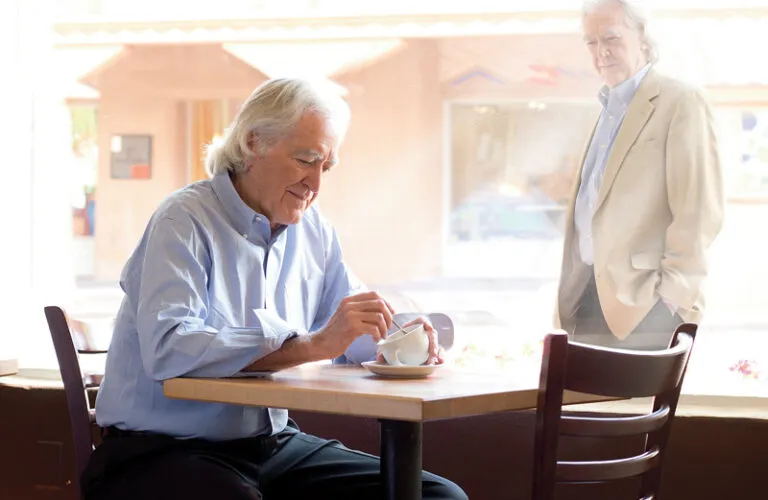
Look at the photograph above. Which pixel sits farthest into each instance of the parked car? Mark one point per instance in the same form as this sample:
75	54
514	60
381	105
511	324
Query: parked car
529	216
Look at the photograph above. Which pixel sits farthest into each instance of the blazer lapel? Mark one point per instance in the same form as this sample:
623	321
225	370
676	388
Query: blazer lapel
639	111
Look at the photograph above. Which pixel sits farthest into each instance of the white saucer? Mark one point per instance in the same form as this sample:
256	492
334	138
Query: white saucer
390	371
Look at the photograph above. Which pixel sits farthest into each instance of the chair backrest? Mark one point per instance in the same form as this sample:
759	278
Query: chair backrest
443	325
612	373
69	343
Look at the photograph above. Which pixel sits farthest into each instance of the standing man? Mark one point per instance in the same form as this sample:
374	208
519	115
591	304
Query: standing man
649	198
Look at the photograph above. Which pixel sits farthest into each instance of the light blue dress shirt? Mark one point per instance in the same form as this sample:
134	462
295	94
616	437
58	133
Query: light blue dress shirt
615	102
208	290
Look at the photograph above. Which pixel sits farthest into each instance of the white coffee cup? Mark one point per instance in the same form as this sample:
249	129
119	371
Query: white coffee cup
407	347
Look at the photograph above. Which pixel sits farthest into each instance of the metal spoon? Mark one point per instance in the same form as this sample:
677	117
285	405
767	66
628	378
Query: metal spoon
400	328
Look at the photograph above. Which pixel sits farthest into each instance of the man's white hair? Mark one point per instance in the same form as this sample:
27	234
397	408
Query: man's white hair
638	18
268	115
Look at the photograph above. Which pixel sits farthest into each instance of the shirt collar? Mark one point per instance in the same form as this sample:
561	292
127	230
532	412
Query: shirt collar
625	91
239	213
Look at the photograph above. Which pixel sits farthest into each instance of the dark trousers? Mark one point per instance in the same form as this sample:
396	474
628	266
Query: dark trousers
290	465
653	332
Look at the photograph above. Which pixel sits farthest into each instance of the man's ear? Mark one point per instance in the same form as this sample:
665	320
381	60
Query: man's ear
254	144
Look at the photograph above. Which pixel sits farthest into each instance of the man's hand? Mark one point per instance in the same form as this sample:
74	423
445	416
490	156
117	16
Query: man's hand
365	313
436	352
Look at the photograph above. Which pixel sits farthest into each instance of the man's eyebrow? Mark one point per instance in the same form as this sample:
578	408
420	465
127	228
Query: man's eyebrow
316	155
309	152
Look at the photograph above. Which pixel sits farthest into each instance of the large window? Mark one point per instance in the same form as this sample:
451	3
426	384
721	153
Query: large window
465	143
512	170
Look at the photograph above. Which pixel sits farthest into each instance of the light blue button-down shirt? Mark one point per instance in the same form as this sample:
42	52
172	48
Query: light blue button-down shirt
615	102
208	290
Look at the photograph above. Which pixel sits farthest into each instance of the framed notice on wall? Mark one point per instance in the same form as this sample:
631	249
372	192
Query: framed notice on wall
131	157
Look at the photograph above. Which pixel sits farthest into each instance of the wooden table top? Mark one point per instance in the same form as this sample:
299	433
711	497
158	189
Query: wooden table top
350	390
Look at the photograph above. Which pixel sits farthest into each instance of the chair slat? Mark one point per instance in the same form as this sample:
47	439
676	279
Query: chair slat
614	426
82	337
606	470
92	380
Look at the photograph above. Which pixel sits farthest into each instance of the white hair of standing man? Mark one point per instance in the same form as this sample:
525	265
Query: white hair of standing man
269	114
638	19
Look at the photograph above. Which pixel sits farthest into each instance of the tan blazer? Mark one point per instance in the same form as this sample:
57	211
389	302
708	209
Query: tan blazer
659	207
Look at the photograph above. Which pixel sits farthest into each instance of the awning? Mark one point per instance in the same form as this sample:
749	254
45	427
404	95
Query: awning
72	63
706	47
312	59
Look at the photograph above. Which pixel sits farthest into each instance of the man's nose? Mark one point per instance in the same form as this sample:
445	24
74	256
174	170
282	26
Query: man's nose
602	51
314	178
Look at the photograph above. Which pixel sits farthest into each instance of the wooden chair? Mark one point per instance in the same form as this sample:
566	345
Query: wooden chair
612	373
68	345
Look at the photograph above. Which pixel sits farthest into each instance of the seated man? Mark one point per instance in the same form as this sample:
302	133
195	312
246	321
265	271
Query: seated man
240	273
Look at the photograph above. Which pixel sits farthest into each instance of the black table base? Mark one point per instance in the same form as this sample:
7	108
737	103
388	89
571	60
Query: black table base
401	459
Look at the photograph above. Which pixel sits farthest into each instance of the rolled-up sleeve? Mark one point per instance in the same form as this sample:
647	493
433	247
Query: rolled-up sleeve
174	337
